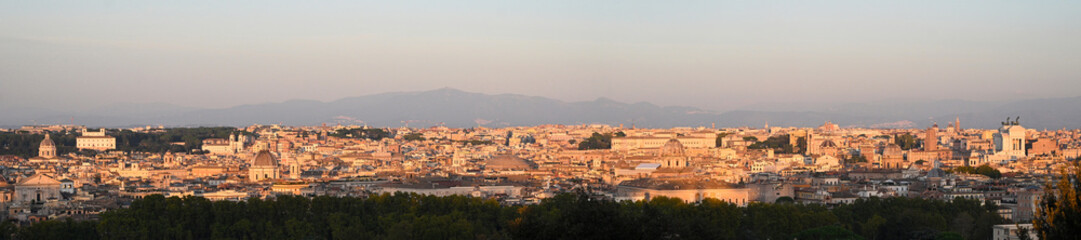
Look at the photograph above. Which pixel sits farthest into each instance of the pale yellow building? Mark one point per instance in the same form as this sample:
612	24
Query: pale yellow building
95	141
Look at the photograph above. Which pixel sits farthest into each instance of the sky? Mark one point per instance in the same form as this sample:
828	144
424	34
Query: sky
717	55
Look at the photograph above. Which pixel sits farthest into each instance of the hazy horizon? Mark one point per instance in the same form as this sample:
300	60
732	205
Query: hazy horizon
720	56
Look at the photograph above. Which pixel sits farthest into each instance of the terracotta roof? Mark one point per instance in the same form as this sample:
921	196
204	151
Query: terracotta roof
264	158
38	179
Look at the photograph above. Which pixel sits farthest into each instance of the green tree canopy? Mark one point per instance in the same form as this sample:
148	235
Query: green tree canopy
596	141
906	141
1058	214
565	216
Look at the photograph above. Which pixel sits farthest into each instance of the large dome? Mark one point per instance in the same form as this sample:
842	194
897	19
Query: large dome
507	162
672	148
47	142
264	159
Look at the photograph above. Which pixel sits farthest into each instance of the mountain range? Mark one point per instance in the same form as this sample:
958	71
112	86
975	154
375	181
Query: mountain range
456	108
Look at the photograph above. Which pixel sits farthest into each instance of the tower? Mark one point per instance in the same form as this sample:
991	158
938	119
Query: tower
236	142
294	167
930	140
957	124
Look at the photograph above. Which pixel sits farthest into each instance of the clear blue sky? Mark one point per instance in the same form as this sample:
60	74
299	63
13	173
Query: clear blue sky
711	54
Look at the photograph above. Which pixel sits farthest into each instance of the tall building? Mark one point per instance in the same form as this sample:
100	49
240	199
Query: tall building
957	125
263	167
930	139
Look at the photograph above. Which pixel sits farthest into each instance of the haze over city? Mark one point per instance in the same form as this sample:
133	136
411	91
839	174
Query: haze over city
808	120
72	55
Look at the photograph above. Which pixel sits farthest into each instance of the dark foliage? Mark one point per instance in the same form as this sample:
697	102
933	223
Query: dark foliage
720	139
981	170
361	133
413	137
566	216
127	140
26	145
596	141
778	143
1058	214
906	141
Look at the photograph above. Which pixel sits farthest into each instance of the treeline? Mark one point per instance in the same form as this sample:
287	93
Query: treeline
362	133
127	140
981	170
566	216
26	145
599	141
780	144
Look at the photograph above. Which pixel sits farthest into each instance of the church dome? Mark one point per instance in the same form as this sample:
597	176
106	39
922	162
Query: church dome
936	173
264	159
507	162
672	148
828	144
47	142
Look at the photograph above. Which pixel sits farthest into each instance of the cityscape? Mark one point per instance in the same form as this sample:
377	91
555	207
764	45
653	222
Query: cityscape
540	120
828	165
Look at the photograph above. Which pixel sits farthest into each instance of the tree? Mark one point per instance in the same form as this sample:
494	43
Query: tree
949	236
784	200
827	232
906	141
801	145
779	143
1022	232
856	159
985	170
575	215
7	228
413	137
963	224
596	141
720	139
988	171
870	228
1058	214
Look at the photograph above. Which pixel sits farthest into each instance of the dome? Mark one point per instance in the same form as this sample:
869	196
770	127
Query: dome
47	142
672	148
936	172
828	144
507	162
264	159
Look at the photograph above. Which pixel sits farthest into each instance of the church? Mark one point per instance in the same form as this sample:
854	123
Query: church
672	155
37	188
46	151
263	167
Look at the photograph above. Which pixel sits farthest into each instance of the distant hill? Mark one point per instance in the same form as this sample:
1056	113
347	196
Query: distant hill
457	108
